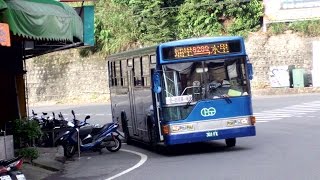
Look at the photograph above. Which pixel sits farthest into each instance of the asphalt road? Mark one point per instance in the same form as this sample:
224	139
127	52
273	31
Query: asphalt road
287	146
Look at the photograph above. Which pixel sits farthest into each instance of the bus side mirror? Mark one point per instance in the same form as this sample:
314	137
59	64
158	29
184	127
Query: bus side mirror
156	82
250	71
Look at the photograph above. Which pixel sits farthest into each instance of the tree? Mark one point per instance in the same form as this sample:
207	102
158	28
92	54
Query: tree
154	24
127	24
215	17
115	27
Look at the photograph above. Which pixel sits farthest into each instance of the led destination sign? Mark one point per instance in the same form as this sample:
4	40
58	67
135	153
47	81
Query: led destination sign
199	50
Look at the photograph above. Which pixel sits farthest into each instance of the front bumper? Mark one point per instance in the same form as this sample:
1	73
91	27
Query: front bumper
192	137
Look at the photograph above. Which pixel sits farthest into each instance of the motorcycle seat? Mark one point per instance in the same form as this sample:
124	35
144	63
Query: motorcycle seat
96	130
6	162
84	131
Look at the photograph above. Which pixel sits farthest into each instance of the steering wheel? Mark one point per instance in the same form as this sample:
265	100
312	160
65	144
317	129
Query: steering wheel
214	86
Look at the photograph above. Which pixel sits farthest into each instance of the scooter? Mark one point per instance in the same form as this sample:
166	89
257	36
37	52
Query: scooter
91	138
9	169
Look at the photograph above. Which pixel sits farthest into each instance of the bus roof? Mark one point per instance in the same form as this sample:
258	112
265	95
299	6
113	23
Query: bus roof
133	53
152	49
201	40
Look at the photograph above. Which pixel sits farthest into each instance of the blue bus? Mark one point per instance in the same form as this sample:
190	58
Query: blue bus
184	91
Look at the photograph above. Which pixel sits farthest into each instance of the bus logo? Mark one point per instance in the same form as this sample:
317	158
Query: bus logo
205	112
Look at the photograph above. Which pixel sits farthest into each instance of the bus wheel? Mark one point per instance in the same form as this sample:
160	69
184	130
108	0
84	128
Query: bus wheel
151	133
125	128
231	142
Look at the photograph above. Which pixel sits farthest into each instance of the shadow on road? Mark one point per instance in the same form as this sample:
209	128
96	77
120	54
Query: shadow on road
191	148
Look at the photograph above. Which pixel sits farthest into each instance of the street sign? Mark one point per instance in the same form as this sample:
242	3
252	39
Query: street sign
4	35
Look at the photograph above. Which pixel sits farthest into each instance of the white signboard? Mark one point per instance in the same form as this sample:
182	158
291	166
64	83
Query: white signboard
178	99
279	76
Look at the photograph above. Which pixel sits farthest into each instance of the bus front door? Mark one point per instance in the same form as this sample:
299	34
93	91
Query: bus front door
132	115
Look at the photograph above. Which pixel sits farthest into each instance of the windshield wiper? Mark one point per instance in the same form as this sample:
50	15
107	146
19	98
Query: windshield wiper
226	97
188	103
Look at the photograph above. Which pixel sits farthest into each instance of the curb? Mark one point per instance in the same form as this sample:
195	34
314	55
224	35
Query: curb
45	167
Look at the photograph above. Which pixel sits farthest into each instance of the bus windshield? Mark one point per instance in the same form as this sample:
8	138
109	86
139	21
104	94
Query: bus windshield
187	83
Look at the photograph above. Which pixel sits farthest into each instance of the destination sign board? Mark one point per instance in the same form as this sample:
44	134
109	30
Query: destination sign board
199	50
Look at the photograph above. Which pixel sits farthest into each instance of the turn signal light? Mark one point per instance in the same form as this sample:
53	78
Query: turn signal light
253	120
165	129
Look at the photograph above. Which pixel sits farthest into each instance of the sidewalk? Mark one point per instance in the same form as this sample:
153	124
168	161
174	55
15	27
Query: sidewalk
49	162
284	91
91	165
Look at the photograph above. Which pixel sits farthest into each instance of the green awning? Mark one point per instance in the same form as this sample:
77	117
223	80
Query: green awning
3	5
42	20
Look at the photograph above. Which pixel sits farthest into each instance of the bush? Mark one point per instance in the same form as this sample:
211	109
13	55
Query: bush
25	131
28	153
278	28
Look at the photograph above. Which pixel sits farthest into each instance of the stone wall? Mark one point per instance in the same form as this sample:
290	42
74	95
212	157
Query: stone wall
285	49
68	78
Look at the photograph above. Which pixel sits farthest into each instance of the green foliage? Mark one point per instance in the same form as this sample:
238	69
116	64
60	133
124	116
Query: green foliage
308	27
245	17
277	28
154	24
114	27
195	20
28	153
25	131
126	24
214	18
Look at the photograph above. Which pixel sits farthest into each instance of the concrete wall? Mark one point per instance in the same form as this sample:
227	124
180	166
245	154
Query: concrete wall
6	147
66	77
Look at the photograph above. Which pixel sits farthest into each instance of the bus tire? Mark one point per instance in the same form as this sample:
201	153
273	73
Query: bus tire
125	129
231	142
151	132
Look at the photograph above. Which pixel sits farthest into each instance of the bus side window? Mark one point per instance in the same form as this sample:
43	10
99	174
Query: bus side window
124	77
112	75
146	71
137	71
117	73
109	74
153	61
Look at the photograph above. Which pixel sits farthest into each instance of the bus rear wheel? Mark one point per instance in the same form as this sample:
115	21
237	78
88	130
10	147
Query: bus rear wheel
125	129
231	142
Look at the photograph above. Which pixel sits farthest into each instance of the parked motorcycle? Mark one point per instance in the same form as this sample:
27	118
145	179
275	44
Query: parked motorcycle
50	126
91	138
10	169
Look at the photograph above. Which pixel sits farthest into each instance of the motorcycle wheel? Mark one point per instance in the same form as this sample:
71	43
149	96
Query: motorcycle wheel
117	145
69	150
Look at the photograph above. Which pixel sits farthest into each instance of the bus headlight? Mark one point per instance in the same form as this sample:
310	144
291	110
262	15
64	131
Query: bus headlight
181	128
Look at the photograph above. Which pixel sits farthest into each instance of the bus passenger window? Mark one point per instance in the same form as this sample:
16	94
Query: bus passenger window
124	78
137	72
109	73
117	73
112	74
146	71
